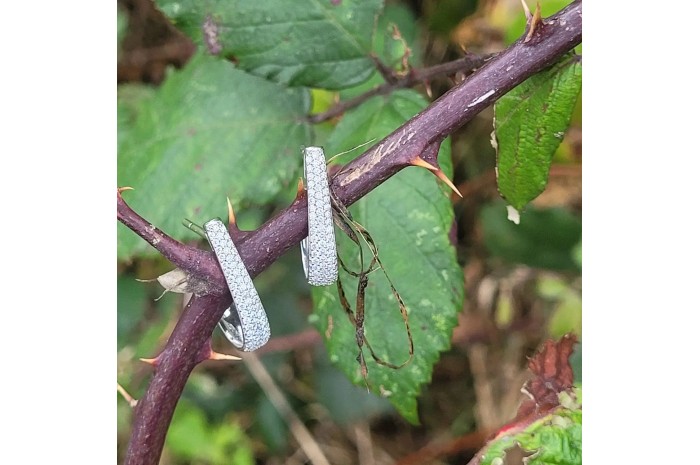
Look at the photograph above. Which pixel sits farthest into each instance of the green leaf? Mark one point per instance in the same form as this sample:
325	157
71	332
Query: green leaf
301	43
210	131
530	122
389	49
409	216
130	99
553	440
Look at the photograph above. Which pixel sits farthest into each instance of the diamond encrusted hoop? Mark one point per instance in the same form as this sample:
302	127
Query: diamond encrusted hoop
245	322
318	250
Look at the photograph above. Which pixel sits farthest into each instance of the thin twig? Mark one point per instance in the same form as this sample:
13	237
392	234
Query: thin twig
306	338
487	412
467	65
363	439
132	402
299	431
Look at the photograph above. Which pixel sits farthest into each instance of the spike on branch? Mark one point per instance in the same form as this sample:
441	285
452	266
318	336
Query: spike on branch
534	22
428	89
443	177
151	361
232	226
219	356
231	215
300	187
122	189
418	161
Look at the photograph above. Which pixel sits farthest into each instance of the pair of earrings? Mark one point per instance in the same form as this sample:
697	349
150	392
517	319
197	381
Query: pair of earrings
245	323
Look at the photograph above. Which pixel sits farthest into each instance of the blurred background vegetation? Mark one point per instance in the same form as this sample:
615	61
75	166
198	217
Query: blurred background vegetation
522	285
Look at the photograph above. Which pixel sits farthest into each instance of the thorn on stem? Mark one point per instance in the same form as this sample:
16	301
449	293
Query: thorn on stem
443	177
428	89
122	189
218	356
534	23
231	216
150	361
300	187
418	161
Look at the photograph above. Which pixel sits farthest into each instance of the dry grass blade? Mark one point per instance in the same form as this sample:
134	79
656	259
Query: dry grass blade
354	230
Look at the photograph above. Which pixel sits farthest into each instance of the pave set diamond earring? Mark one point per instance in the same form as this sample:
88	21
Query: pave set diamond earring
318	250
245	323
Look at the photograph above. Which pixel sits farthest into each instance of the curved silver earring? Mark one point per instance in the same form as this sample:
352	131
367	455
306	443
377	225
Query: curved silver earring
245	322
318	249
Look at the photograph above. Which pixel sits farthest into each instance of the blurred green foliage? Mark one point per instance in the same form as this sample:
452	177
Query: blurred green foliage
191	437
445	15
545	238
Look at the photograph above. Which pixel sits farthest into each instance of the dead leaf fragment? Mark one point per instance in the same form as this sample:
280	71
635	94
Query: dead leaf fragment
552	374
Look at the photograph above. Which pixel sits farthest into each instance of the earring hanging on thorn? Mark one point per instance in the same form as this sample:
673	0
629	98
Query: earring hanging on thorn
318	249
245	323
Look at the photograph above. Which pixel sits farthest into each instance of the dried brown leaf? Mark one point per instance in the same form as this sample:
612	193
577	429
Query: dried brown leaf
552	375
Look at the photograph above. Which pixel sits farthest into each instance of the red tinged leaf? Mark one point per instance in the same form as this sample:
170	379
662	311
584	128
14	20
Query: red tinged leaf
553	374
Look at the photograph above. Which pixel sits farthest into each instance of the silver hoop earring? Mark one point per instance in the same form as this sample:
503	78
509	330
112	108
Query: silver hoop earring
245	323
318	249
